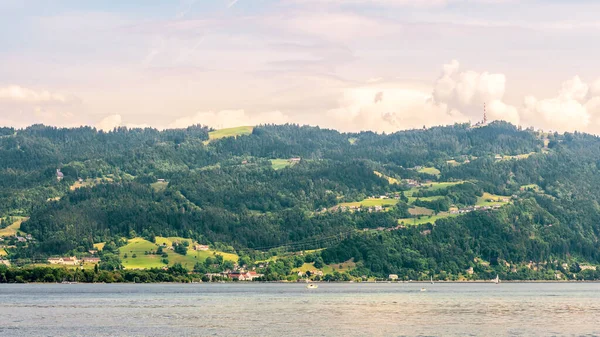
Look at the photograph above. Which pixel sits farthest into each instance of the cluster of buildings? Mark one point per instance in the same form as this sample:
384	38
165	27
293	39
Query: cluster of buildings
72	260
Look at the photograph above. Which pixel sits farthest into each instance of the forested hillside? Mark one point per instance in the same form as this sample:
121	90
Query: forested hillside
454	202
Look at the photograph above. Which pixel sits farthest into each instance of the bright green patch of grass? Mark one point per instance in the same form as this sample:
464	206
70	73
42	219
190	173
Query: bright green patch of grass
429	170
139	247
425	219
339	267
371	203
99	246
89	182
432	187
278	164
159	186
13	229
533	187
389	179
491	200
420	211
352	140
230	132
518	157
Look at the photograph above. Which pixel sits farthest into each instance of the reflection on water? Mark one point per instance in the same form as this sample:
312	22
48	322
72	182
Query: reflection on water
532	309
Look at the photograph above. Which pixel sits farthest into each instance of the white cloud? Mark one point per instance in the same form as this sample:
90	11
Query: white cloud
17	93
230	118
110	122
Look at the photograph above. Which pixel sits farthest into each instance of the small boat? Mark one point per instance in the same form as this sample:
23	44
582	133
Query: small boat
312	286
431	279
423	289
496	280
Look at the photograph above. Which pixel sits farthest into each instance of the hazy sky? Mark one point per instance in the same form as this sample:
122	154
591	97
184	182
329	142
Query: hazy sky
352	65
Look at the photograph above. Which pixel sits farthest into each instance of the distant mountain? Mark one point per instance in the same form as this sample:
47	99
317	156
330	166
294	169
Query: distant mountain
454	201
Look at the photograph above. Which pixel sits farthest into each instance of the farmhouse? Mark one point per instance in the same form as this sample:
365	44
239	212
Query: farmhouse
69	261
248	276
201	247
295	160
59	175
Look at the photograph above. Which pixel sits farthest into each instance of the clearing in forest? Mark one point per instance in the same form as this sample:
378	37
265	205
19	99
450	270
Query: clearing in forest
13	229
389	179
230	132
429	170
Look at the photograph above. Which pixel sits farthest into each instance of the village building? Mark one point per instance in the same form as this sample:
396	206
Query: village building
90	260
59	175
295	160
241	276
201	247
393	277
68	261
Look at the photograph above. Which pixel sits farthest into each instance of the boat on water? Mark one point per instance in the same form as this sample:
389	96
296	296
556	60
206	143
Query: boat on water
312	286
496	280
431	279
423	289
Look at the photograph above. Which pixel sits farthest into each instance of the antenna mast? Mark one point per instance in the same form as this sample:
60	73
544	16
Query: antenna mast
484	114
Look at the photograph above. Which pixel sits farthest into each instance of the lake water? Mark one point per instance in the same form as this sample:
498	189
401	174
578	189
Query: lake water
510	309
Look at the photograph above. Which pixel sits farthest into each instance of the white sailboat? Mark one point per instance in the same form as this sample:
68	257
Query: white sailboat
312	286
431	279
496	280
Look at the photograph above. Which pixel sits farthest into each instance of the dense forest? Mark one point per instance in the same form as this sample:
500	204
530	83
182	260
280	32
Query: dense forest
454	201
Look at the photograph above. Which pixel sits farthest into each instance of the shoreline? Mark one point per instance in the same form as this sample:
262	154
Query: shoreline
319	282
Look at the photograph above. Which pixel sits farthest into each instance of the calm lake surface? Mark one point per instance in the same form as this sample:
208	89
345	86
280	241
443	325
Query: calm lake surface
515	309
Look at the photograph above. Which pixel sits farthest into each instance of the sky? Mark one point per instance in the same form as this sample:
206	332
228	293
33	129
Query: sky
351	65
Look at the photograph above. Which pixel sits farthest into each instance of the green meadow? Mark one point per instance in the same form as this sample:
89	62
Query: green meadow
140	247
230	132
278	164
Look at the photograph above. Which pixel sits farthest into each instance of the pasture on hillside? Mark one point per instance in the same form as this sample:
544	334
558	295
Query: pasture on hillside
491	200
230	132
371	202
278	164
429	170
140	247
425	219
389	179
13	229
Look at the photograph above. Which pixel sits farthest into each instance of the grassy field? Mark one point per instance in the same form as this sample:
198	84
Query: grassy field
13	229
278	164
139	246
518	157
534	187
425	219
89	183
339	267
371	203
3	252
432	187
420	211
435	197
389	179
352	140
230	132
99	246
491	199
159	186
429	170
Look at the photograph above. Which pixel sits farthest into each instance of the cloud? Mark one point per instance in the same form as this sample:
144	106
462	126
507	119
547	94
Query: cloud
230	118
110	122
402	108
468	90
17	93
